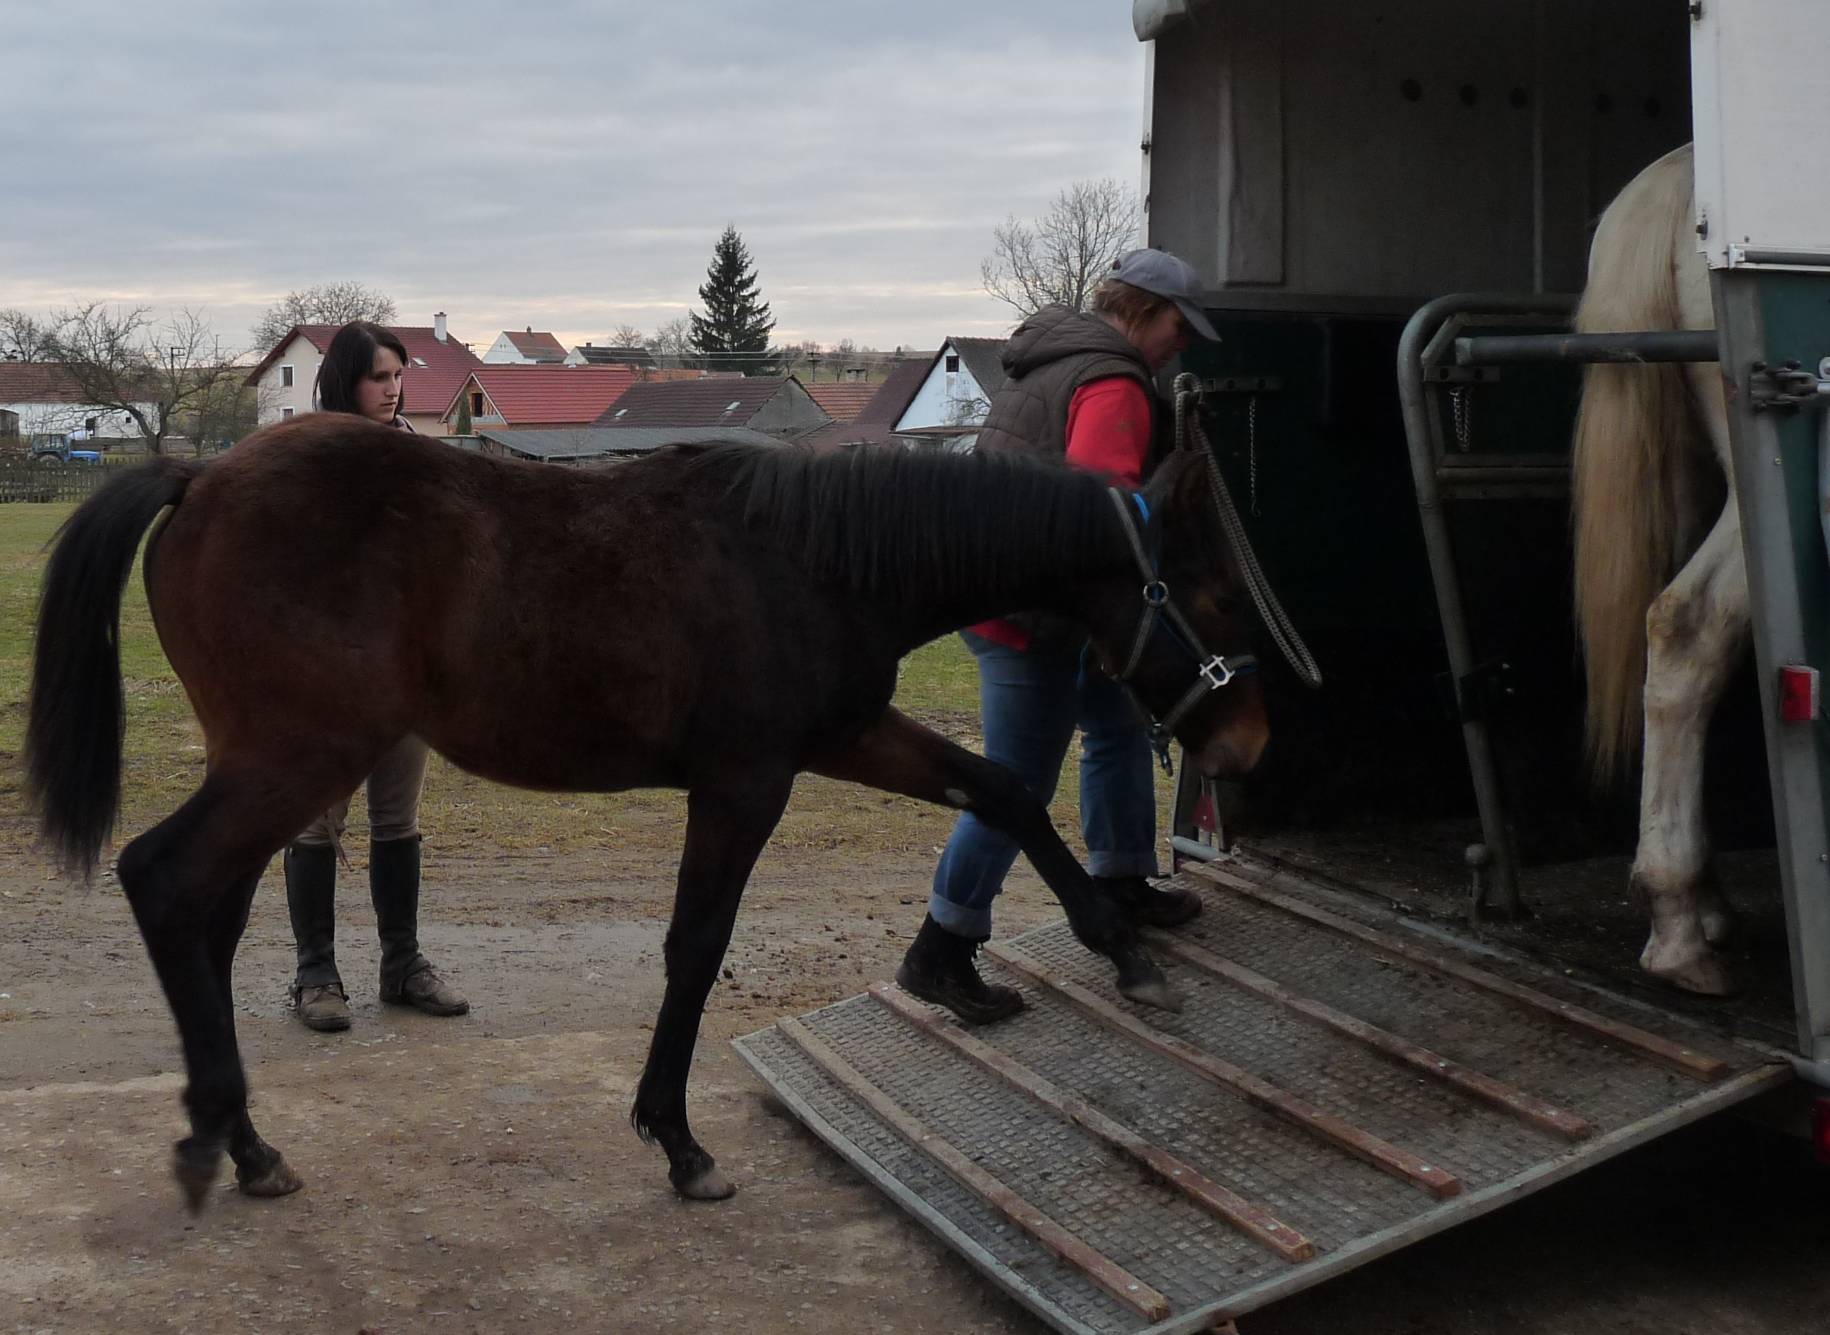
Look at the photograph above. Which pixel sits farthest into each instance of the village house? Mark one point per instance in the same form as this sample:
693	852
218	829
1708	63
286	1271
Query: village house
46	401
778	405
959	385
527	348
437	364
521	397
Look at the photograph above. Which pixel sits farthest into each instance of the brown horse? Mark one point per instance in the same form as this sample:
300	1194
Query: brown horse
714	619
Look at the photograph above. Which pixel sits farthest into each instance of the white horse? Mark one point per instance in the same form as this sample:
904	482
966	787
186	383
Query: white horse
1661	589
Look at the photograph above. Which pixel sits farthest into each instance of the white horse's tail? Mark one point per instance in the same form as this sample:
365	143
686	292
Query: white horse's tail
1633	432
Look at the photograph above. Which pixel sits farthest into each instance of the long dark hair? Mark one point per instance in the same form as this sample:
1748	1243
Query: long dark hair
350	357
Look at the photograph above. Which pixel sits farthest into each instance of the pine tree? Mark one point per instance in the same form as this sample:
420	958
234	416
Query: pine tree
735	327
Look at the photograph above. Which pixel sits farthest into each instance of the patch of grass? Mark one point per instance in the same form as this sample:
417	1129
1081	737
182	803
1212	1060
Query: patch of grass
163	758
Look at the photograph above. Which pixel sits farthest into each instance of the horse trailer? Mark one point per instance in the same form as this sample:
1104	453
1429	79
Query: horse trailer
1411	996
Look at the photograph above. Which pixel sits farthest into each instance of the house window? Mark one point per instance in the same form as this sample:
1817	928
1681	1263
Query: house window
476	403
89	425
952	363
285	412
285	377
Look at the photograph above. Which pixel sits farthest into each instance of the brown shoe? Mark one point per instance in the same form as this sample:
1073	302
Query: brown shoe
322	1006
424	990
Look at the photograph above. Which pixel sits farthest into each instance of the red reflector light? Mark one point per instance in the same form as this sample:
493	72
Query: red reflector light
1820	1129
1798	694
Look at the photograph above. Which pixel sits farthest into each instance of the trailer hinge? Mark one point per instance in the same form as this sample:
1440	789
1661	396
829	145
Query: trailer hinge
1788	387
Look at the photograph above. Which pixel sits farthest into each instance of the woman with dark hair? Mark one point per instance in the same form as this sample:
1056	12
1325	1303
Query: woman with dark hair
1081	388
363	373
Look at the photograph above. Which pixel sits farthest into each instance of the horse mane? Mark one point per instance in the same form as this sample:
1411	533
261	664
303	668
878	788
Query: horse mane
901	523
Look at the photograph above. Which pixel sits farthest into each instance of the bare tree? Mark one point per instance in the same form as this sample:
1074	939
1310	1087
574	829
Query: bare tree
23	337
1061	256
155	374
626	335
325	303
673	342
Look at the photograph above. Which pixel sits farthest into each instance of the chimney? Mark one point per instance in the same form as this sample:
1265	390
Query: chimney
438	326
530	329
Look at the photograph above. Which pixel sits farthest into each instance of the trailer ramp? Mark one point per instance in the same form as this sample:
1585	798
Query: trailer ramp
1337	1086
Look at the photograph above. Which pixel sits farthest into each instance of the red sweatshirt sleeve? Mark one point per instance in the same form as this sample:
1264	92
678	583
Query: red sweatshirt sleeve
1108	429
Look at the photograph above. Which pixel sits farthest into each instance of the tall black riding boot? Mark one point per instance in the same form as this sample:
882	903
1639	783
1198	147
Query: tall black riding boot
939	968
407	977
311	899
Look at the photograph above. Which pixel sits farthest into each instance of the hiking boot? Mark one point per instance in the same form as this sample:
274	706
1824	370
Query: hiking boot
939	968
424	990
322	1006
1146	905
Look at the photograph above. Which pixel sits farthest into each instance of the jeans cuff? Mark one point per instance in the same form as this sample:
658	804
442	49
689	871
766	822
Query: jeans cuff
961	921
1121	864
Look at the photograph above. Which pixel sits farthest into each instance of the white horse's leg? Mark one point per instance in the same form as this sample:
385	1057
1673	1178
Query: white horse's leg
1696	631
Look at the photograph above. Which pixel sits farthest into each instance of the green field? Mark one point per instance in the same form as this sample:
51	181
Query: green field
164	748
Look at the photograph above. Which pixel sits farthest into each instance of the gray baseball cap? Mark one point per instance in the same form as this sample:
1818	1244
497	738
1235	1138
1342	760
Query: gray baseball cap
1160	273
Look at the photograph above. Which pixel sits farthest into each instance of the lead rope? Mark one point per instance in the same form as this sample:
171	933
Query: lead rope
1191	435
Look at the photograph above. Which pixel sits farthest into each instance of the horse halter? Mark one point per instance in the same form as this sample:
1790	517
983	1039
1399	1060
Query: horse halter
1211	670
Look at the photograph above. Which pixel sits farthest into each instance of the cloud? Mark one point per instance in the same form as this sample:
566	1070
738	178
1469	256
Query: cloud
568	166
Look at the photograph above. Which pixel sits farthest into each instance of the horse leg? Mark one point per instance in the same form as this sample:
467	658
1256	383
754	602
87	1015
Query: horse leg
260	1170
726	828
898	755
1695	631
189	881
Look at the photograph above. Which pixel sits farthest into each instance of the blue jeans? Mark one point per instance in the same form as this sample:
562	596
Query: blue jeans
1030	704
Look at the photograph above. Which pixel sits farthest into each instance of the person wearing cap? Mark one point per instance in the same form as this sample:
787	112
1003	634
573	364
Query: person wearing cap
1081	388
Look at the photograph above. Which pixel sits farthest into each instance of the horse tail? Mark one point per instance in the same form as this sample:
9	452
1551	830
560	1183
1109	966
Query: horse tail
77	716
1633	430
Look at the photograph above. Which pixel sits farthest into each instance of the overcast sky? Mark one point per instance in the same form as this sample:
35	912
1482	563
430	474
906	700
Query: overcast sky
567	164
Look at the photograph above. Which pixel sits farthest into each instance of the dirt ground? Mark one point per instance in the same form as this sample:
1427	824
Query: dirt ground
479	1174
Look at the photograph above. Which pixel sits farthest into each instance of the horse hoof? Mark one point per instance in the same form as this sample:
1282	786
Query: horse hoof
1705	975
277	1179
1706	978
1155	992
710	1185
195	1178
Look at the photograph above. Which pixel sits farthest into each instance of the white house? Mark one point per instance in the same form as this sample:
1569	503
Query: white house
527	348
957	389
437	364
47	402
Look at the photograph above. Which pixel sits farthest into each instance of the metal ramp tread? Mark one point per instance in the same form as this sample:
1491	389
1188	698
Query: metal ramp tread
1334	1089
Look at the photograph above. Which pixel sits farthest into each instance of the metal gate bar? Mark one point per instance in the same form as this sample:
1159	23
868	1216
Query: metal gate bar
1673	1056
1381	1154
1505	1097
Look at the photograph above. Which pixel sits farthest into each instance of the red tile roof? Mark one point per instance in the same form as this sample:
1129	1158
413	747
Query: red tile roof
435	371
548	395
542	346
894	395
842	399
36	382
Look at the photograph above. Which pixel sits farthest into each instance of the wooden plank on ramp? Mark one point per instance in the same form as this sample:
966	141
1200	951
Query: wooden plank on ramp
1674	1056
1252	1220
1336	1131
1098	1267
